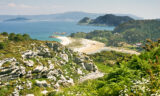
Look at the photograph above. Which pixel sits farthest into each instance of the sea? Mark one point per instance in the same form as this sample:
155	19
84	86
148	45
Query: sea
41	30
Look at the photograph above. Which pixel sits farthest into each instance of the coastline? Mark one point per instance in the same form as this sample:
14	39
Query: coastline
86	46
90	46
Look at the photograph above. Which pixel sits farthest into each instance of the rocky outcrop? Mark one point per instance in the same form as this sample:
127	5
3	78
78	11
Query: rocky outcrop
46	65
42	83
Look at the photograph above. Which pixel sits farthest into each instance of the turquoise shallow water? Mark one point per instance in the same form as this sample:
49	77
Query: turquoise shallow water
42	30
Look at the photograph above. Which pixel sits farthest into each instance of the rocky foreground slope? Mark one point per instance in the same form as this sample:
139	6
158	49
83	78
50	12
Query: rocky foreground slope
34	68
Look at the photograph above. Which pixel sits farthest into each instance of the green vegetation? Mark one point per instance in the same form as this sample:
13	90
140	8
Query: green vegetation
5	38
2	45
108	19
130	75
4	33
18	37
104	36
75	43
139	30
132	32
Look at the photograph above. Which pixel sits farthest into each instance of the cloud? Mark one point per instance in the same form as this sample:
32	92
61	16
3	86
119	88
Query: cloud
23	6
12	5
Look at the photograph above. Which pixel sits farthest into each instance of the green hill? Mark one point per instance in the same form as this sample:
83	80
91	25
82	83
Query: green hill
139	30
131	32
107	20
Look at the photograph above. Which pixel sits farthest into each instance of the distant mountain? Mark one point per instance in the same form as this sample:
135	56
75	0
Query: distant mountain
85	20
16	19
108	19
68	16
130	15
158	19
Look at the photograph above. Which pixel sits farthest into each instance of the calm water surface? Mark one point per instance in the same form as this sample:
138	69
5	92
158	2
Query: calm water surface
42	30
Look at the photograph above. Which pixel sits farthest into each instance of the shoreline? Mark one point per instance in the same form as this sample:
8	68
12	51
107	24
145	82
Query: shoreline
90	46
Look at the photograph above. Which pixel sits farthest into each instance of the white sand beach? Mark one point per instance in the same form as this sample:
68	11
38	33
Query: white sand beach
91	46
87	46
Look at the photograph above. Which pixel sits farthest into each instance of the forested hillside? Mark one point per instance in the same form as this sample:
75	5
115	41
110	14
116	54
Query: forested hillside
139	30
106	20
132	32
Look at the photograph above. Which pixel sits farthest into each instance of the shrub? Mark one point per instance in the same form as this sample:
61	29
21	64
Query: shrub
4	33
2	45
11	36
18	37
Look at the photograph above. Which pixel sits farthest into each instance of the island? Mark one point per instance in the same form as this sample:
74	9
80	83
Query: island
106	20
16	19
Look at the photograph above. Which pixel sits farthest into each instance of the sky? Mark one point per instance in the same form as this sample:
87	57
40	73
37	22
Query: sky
148	9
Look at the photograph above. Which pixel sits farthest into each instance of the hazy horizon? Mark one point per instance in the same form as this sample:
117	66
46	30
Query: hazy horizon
141	8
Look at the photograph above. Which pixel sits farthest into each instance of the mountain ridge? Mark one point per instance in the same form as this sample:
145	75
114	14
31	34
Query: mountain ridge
105	20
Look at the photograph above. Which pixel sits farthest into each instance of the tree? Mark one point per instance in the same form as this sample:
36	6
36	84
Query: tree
18	37
26	37
4	33
11	36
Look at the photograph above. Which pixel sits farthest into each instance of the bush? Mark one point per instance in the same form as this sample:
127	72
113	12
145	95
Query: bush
26	37
18	37
2	45
11	36
4	33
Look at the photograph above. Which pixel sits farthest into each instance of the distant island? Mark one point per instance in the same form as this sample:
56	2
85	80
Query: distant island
16	19
106	20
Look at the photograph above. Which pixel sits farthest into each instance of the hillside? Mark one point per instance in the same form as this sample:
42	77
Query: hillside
139	30
125	75
34	68
132	32
108	19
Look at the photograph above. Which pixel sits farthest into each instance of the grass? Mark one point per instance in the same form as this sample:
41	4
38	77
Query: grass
76	43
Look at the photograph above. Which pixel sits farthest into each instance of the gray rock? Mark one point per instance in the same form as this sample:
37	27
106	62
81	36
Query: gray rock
41	83
39	68
51	77
7	60
64	57
70	81
19	87
15	93
29	74
44	92
44	52
29	84
29	63
29	54
79	71
56	86
62	62
90	66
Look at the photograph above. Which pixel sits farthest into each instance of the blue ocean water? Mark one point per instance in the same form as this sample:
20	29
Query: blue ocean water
43	29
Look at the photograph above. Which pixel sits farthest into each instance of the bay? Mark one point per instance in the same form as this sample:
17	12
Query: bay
43	29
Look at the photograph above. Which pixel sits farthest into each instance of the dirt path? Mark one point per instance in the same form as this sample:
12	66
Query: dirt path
117	50
93	75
